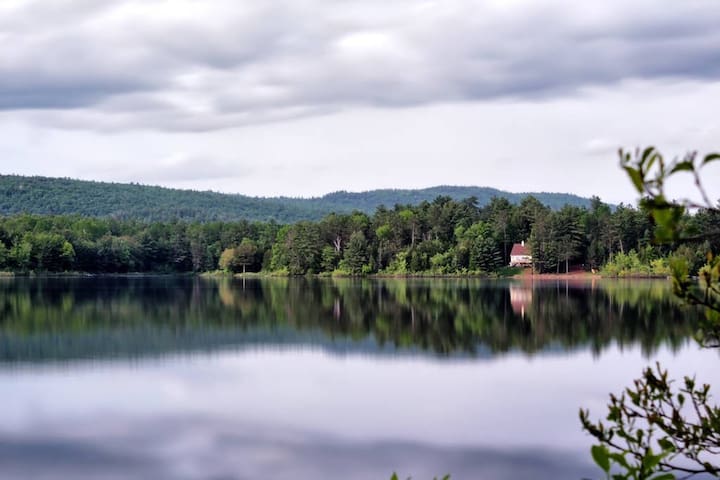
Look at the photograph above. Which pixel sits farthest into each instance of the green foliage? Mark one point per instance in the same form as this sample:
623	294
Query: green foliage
62	196
569	234
297	249
4	253
48	252
245	253
57	243
445	237
20	256
329	259
237	259
399	264
356	255
227	261
650	175
652	429
509	271
119	254
442	263
631	265
481	251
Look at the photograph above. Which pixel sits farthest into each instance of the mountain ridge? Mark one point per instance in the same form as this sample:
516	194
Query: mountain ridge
67	196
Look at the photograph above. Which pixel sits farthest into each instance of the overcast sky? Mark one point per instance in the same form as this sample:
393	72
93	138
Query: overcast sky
306	97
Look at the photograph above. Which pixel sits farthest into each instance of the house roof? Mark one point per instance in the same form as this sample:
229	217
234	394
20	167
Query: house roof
519	249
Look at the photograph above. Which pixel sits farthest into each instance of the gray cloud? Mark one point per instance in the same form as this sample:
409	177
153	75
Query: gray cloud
193	66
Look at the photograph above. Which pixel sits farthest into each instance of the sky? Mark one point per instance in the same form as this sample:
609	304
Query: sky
306	97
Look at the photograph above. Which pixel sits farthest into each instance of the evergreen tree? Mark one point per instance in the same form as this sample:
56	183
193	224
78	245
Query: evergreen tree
356	253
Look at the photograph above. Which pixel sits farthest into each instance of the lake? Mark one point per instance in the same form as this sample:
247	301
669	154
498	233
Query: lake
201	378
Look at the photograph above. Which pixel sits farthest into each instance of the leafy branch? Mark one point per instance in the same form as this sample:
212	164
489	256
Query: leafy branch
649	173
655	429
652	430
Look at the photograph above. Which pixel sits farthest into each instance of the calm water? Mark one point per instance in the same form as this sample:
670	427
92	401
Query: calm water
191	378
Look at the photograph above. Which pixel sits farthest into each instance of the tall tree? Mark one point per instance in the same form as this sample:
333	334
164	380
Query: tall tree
245	253
569	234
356	254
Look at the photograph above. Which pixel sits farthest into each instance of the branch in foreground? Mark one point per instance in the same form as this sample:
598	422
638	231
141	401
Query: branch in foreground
656	429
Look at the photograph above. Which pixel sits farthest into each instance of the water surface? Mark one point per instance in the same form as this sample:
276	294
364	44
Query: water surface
192	378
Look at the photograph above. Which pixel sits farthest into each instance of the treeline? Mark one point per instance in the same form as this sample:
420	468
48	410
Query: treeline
444	236
64	196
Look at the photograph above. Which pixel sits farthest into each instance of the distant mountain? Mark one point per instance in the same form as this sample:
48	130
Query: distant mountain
368	201
63	196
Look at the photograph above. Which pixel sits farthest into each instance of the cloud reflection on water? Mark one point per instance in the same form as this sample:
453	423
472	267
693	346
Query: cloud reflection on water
310	415
209	448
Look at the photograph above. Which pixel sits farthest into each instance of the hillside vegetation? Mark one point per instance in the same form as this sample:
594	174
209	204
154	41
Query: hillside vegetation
62	196
442	237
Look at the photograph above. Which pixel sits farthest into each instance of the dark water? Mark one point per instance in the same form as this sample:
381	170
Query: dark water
191	378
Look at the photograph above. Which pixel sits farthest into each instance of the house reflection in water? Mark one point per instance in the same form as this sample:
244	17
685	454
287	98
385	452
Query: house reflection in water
520	298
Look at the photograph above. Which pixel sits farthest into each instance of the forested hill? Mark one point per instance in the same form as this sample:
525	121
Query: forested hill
368	201
43	195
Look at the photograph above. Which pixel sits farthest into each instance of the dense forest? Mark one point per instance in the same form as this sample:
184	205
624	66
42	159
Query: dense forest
58	196
442	237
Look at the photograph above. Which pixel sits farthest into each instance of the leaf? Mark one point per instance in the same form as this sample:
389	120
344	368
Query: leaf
663	476
651	461
636	178
601	456
710	158
686	166
654	157
394	476
646	155
620	460
666	445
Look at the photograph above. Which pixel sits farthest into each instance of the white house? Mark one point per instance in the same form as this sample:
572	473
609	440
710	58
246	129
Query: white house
520	255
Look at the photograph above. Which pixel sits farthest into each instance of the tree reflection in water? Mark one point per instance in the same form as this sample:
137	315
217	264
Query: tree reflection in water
65	318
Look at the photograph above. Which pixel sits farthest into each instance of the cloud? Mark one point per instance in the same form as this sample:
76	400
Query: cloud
194	66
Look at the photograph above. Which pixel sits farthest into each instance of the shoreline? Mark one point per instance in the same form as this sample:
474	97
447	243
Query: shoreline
524	276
